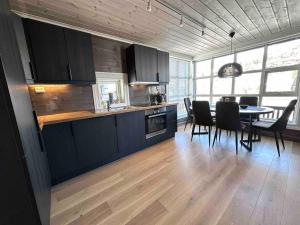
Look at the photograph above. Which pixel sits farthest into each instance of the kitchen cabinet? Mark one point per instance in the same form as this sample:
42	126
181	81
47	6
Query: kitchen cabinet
79	146
171	119
96	141
59	55
47	50
80	55
130	132
163	66
142	64
61	151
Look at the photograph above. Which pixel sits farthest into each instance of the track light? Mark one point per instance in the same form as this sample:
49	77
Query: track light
149	7
181	21
202	33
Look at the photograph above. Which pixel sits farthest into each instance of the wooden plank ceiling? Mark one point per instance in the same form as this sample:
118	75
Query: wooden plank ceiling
255	21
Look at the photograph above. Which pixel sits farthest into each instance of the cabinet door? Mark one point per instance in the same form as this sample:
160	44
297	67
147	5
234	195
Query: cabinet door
163	66
61	151
96	141
131	132
145	63
48	54
172	119
80	55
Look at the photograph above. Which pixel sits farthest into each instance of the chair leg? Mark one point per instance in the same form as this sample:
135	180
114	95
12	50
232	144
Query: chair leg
186	122
193	131
215	137
199	129
277	145
230	133
220	131
209	131
282	140
236	142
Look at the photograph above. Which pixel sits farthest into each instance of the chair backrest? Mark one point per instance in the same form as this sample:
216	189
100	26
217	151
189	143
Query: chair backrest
228	116
188	104
246	100
282	121
228	98
202	114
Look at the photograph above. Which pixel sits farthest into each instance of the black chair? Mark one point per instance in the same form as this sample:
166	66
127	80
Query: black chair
247	100
190	115
278	126
228	118
202	117
250	101
228	99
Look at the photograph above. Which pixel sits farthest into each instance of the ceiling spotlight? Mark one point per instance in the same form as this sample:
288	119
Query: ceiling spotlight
149	8
181	21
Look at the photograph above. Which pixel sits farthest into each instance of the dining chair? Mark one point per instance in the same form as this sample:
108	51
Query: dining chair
228	98
190	115
202	117
228	118
278	126
250	101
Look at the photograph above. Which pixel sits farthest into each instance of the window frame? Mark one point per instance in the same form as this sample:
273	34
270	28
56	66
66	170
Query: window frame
264	73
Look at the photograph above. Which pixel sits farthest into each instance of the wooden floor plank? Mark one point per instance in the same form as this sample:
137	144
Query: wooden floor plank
183	182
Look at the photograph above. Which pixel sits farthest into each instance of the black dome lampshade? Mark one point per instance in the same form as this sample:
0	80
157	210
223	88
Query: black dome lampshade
230	69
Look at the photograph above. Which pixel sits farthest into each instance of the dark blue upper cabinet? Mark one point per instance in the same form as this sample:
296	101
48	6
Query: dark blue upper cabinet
163	66
59	55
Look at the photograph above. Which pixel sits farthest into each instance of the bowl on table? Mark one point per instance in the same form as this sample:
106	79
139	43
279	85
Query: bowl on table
244	106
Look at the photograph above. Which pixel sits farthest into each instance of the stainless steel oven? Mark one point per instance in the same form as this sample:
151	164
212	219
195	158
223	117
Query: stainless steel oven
156	122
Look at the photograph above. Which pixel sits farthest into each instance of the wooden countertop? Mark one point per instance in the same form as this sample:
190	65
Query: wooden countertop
72	116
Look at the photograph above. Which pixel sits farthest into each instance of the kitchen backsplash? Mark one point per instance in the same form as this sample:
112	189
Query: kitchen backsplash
140	94
61	98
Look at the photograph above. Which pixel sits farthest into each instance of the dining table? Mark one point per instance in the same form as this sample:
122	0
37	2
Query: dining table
251	112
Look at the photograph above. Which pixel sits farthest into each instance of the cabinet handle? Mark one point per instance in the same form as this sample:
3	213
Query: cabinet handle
157	77
32	71
39	132
70	72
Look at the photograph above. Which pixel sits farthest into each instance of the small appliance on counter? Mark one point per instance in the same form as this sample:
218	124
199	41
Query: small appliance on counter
158	97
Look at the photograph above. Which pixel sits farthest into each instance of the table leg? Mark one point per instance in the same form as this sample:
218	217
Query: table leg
248	143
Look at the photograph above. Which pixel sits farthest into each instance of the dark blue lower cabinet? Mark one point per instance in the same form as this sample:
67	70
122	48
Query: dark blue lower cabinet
96	141
172	119
79	146
61	151
130	132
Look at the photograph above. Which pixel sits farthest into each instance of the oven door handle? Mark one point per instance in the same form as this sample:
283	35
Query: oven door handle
156	115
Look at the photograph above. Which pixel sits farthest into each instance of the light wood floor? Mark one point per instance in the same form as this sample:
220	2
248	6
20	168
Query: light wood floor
183	182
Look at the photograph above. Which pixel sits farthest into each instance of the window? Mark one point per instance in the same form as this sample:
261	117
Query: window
203	86
180	85
285	81
274	79
248	83
203	69
252	59
222	86
112	86
218	62
284	54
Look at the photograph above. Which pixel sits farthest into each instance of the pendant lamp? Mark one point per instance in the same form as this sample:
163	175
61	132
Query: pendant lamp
230	69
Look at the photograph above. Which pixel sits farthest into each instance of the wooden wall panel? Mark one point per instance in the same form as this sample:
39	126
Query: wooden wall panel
109	55
62	98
